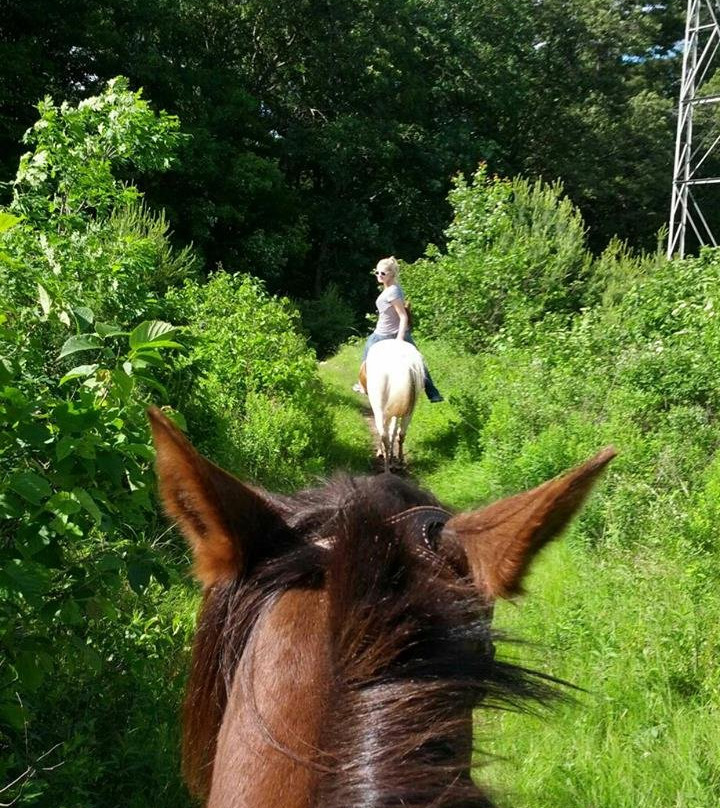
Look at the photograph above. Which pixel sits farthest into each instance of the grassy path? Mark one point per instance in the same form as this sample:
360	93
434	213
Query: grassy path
635	629
434	454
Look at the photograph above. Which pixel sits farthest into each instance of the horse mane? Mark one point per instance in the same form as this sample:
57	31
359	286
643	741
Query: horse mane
410	645
413	653
228	615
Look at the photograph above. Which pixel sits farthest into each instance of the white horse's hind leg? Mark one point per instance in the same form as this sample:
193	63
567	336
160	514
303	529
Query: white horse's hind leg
394	429
404	422
381	428
387	446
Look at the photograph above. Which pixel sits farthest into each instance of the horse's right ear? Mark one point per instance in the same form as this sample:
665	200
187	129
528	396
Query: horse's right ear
223	519
499	542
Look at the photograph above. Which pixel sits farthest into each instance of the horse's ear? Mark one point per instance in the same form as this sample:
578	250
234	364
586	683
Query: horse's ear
500	541
222	518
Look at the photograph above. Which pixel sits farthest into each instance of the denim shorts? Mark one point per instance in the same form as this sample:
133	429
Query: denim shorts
373	338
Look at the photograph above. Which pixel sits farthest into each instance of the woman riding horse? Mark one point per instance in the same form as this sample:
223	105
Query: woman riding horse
393	321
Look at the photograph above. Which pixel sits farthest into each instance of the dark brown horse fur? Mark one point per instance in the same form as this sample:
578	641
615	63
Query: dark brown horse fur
345	638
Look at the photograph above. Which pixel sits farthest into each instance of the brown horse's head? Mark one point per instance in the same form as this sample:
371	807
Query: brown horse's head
344	638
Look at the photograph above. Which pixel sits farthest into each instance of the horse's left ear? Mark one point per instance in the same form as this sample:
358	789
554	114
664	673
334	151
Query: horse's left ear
500	541
225	521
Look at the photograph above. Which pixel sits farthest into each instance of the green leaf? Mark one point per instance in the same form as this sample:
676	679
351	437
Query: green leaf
141	450
11	506
154	384
88	503
85	314
72	419
33	433
138	576
109	330
123	382
79	372
80	342
160	343
70	613
6	370
30	486
45	300
145	357
7	220
12	715
150	332
97	608
91	659
29	670
109	562
63	503
30	579
161	574
65	447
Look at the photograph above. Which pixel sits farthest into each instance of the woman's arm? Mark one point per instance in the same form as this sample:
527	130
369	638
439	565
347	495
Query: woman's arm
399	307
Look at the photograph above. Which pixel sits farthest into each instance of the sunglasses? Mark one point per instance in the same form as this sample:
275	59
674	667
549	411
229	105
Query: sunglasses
380	274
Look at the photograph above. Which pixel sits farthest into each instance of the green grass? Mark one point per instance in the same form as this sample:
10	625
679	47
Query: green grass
352	450
638	636
638	630
432	444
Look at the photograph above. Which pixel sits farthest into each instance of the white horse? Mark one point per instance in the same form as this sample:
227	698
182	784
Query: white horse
395	379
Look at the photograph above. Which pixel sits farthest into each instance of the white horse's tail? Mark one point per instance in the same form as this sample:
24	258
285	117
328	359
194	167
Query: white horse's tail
395	377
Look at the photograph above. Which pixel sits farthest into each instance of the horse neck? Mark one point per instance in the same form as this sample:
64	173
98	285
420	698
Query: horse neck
271	729
303	729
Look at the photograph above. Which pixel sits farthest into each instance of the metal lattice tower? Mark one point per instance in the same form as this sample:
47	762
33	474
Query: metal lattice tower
693	147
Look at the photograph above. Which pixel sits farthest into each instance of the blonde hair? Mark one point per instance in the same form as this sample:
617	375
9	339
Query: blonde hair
389	265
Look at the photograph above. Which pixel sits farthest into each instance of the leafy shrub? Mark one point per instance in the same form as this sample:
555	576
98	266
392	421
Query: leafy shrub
82	268
639	370
78	516
86	563
83	234
72	173
256	404
515	253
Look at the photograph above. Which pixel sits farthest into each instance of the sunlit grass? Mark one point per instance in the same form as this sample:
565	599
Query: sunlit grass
638	630
637	636
352	450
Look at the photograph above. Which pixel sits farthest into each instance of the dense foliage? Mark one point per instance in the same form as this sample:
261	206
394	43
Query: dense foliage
320	139
92	647
323	136
578	352
625	355
255	402
515	253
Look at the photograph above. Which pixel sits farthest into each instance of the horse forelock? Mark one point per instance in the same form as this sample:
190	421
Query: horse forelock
409	643
413	655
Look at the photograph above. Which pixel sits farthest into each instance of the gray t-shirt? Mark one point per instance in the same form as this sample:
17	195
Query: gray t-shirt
388	323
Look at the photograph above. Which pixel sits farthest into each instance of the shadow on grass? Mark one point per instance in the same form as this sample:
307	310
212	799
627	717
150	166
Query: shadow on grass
431	453
349	457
